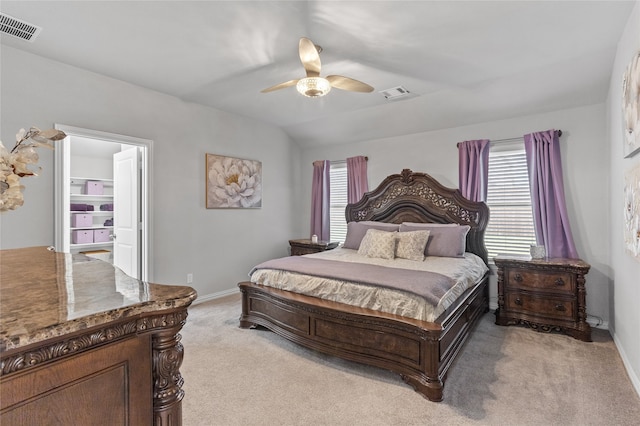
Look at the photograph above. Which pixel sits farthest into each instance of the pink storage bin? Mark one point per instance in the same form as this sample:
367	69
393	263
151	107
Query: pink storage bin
82	236
101	236
93	187
79	220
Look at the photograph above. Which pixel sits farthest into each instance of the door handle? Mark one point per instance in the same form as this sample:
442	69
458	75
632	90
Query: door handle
112	236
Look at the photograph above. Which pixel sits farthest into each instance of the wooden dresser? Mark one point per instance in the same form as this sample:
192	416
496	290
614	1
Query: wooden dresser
305	246
546	294
82	343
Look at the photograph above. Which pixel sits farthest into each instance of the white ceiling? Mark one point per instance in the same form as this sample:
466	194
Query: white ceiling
463	61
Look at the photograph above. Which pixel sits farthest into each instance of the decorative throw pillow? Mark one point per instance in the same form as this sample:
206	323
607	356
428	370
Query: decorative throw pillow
444	241
411	244
357	230
378	243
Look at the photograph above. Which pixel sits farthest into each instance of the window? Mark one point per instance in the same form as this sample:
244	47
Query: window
510	229
338	201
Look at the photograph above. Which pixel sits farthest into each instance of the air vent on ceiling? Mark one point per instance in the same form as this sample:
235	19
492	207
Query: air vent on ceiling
17	28
394	92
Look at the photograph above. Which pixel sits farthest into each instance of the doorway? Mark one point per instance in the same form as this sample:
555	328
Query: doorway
87	157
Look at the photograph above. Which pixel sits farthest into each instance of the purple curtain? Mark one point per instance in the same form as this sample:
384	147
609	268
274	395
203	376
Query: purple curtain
547	194
357	183
473	169
320	200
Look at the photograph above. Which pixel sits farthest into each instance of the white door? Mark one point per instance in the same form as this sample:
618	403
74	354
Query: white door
126	217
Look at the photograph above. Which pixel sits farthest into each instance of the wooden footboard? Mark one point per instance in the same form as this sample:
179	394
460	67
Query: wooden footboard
421	352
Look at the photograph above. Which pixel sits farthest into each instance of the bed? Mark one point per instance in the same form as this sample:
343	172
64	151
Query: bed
421	351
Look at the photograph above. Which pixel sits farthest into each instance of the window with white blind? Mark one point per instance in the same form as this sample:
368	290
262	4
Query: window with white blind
510	230
337	201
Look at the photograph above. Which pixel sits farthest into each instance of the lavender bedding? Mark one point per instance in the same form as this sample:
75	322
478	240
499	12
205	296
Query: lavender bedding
430	285
414	289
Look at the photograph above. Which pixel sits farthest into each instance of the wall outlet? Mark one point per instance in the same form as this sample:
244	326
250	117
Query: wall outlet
189	278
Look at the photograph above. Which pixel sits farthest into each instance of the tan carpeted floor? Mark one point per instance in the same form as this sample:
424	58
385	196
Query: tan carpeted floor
504	376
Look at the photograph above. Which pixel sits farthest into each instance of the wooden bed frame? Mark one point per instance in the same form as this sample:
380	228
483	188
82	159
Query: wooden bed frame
421	352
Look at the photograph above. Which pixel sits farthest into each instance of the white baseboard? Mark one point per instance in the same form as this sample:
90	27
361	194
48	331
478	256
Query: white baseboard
213	296
635	380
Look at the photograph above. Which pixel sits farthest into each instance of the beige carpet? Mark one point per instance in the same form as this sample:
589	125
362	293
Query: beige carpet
504	376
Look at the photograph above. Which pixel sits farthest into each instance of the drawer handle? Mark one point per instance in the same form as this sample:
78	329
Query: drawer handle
559	282
518	278
518	302
560	307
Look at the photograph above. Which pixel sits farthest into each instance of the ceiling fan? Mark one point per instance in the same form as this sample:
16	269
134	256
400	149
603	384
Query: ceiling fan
313	85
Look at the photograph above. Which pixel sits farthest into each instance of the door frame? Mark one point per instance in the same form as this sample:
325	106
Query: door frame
61	193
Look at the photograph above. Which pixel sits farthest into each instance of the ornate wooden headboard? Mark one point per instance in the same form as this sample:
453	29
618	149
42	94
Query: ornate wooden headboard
417	197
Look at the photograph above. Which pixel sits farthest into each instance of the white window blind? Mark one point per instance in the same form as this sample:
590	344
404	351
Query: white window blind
337	201
510	229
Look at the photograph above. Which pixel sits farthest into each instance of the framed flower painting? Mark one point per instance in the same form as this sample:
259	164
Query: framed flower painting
632	212
631	107
233	182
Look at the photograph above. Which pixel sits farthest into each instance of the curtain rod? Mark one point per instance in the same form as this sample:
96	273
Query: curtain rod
510	139
340	161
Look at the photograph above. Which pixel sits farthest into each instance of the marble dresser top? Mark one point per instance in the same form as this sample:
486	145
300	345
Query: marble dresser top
557	262
45	294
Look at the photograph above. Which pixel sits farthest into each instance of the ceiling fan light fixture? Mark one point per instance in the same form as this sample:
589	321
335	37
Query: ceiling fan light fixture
313	87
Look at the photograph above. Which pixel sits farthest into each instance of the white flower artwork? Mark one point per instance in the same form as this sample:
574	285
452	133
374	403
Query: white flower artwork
632	212
631	107
233	182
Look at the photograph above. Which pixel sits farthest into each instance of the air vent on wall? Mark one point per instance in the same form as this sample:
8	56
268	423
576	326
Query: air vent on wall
395	93
18	28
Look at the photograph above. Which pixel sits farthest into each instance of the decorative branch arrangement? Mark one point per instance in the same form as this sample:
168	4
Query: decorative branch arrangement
14	164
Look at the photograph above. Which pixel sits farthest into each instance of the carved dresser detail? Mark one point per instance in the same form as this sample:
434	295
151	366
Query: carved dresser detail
546	295
82	343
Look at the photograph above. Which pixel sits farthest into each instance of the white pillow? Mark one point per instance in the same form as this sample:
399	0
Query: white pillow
411	244
378	243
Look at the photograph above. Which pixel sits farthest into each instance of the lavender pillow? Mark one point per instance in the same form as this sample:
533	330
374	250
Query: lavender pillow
444	240
426	225
357	230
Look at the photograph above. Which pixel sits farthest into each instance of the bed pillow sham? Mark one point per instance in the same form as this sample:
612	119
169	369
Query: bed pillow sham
444	240
411	244
357	230
377	243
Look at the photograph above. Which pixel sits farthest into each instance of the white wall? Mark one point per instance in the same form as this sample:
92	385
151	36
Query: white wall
218	246
92	158
625	289
585	170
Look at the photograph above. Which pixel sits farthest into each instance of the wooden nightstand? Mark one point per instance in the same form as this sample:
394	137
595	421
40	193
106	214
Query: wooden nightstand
305	246
544	294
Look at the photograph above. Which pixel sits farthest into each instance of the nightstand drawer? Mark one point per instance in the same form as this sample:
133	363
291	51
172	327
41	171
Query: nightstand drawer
300	250
540	280
544	294
540	306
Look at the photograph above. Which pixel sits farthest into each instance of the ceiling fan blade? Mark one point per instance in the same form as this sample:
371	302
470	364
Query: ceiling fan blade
346	83
280	86
309	57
